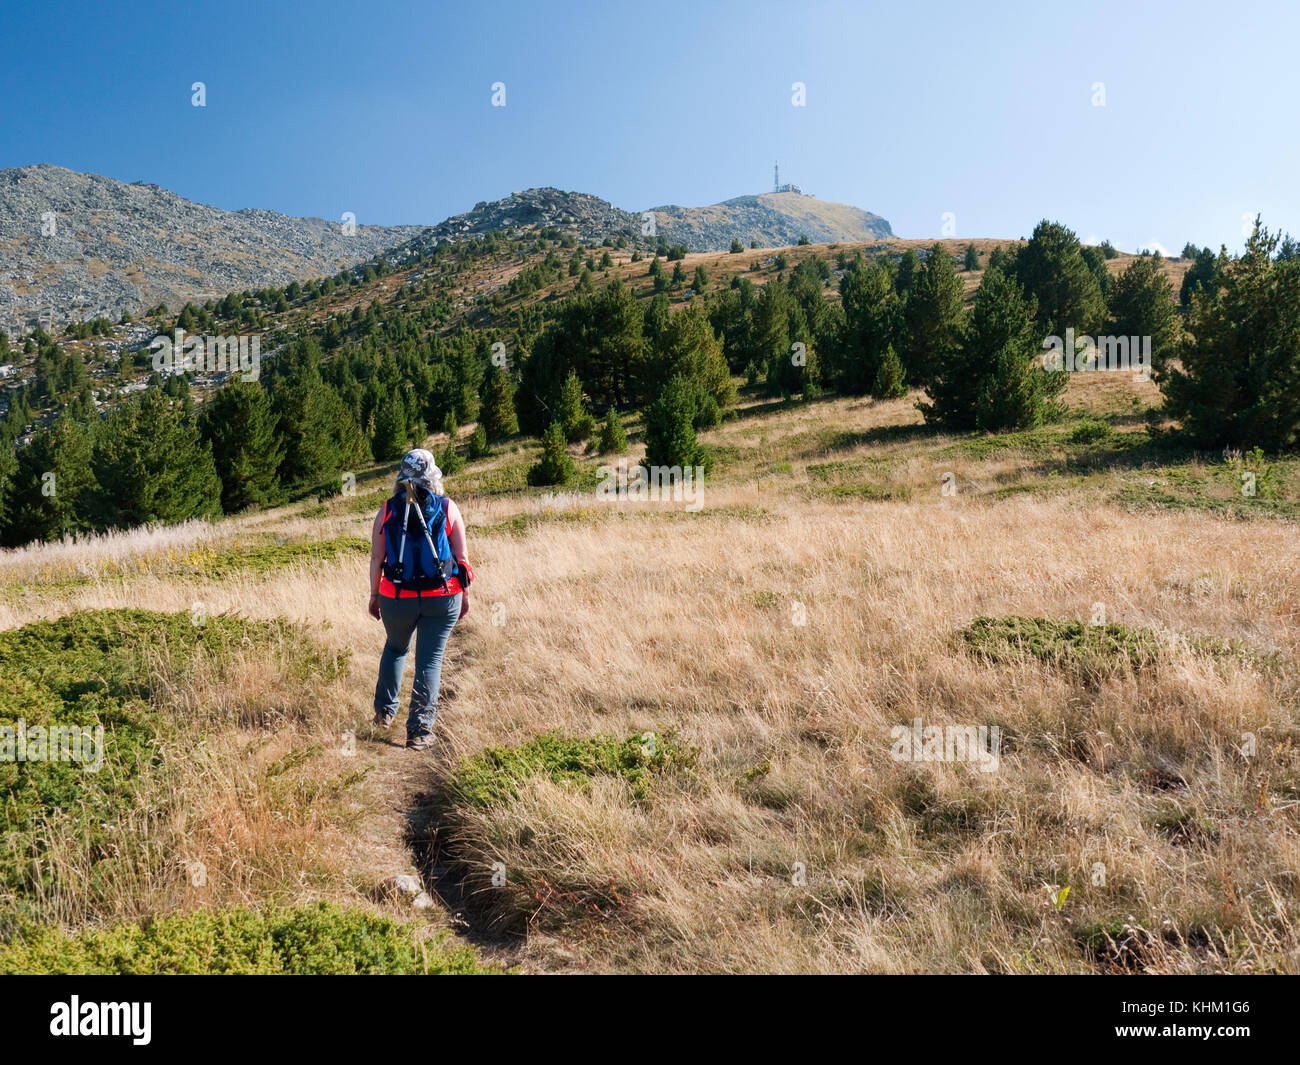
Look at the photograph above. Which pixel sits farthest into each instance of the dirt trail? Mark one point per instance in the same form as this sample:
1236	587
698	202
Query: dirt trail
399	834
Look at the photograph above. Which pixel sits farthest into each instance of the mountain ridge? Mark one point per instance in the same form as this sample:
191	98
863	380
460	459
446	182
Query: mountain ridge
75	246
80	245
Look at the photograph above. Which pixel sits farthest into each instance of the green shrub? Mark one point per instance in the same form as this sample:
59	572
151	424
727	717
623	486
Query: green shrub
111	668
307	940
492	776
1091	431
1090	650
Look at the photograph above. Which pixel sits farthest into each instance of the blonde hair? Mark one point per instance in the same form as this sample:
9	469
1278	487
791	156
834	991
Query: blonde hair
399	486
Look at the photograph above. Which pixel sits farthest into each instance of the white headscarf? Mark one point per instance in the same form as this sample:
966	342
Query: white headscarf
419	468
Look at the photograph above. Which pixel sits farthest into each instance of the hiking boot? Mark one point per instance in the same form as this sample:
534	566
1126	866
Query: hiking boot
383	720
419	743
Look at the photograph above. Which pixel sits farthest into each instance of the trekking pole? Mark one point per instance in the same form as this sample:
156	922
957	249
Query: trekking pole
406	521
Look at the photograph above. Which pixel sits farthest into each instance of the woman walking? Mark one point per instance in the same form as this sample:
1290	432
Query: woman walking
419	585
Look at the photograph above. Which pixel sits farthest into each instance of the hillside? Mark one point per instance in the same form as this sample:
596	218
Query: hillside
471	286
649	768
830	597
588	219
769	220
118	248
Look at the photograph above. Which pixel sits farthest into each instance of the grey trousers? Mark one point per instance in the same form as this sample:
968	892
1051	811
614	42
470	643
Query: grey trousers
430	619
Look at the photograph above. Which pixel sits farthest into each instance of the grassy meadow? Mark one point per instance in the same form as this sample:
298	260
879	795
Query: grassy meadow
664	743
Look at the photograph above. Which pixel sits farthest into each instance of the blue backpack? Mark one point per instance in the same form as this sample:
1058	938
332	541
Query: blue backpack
417	554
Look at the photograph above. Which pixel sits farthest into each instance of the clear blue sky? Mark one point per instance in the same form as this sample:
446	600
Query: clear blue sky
913	109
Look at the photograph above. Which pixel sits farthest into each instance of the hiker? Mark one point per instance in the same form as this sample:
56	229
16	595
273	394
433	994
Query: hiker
419	585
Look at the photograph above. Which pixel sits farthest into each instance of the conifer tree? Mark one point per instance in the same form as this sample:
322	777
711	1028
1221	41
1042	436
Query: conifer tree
151	466
450	460
1051	270
1199	277
8	467
555	467
613	438
390	438
571	411
689	347
307	426
497	412
891	382
239	427
1142	305
1238	381
52	479
872	320
933	316
477	447
670	427
994	379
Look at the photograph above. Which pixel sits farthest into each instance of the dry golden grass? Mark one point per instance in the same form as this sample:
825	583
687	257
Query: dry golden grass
782	633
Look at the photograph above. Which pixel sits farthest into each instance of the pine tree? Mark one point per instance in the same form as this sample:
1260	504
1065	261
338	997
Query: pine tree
239	427
872	320
150	466
450	460
555	467
1097	264
1199	276
477	447
670	427
972	260
468	373
909	268
701	279
350	442
1238	384
1052	270
8	467
1142	305
613	438
994	379
689	347
306	427
390	439
655	318
771	333
610	344
571	411
52	479
891	382
497	412
933	315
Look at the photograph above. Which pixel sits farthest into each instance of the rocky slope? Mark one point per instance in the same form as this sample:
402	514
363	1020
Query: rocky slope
588	218
116	247
770	219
